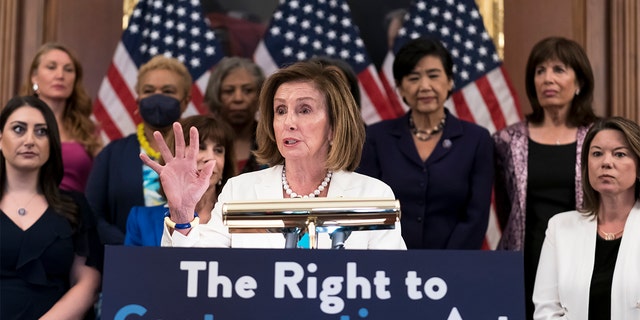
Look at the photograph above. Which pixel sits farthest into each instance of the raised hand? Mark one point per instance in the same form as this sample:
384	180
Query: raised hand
182	182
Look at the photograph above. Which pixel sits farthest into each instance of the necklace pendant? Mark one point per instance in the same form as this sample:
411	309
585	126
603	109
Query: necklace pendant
610	235
22	211
422	135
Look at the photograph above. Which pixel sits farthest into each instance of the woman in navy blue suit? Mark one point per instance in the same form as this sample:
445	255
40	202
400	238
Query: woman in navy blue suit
438	166
145	224
118	179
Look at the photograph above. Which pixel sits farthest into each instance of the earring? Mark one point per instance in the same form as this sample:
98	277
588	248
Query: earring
219	182
578	91
35	89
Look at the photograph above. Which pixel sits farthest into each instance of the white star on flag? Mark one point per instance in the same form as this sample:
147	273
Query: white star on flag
289	39
482	91
174	28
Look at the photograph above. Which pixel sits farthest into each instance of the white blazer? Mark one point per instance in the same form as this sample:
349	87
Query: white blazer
267	184
566	264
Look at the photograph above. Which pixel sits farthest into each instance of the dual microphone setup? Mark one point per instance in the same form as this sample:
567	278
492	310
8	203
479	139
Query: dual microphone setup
296	217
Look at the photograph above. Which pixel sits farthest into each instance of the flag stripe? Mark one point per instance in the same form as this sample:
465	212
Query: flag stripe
386	77
174	28
490	100
504	90
485	98
196	98
105	122
124	94
263	58
462	109
479	109
377	98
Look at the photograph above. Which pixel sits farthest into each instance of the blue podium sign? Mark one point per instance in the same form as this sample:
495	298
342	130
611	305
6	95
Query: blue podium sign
222	284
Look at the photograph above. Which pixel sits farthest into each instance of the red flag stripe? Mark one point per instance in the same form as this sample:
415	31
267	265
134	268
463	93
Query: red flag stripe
395	103
508	98
123	92
196	99
106	123
491	102
376	96
461	107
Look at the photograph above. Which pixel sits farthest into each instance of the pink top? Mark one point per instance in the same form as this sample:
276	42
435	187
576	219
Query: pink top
77	165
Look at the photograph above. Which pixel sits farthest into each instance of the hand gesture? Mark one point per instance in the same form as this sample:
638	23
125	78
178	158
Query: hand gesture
182	182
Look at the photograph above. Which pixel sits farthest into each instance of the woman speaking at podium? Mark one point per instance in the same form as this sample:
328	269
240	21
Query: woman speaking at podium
310	133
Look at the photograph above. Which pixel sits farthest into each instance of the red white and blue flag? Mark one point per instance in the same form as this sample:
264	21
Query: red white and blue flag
174	28
300	30
482	92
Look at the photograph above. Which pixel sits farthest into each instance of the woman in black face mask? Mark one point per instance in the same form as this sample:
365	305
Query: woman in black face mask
119	180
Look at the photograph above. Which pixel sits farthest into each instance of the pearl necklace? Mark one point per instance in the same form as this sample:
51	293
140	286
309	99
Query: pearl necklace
315	193
425	135
144	143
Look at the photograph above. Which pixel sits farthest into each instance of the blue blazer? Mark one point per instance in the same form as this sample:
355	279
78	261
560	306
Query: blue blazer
145	226
115	186
444	200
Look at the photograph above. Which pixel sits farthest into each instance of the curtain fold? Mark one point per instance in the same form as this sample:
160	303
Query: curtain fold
624	86
8	35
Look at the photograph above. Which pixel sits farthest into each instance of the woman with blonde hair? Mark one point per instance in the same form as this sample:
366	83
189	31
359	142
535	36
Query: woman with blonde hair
119	180
310	133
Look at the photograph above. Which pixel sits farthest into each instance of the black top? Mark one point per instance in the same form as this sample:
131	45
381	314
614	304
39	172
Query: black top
550	190
36	263
602	277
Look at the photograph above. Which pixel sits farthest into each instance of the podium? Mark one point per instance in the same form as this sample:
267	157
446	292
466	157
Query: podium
295	217
220	284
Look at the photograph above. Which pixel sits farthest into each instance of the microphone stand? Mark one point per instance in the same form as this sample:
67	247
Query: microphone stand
338	238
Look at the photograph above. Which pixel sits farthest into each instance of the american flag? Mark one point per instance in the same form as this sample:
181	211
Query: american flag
482	93
300	30
174	28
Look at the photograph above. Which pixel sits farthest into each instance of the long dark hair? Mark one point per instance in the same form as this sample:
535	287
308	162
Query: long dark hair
51	172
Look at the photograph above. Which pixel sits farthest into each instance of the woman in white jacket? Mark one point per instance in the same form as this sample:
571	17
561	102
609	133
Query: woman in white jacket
310	133
590	261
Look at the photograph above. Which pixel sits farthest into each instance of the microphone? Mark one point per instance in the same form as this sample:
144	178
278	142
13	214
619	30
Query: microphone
338	238
291	236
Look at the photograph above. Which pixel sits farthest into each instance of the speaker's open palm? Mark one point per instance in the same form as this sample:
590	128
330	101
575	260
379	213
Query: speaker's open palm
182	182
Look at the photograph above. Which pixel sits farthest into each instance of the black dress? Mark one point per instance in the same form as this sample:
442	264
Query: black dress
35	264
550	190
